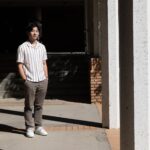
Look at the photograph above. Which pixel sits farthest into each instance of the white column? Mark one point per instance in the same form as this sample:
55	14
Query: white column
110	61
141	30
135	74
113	50
148	18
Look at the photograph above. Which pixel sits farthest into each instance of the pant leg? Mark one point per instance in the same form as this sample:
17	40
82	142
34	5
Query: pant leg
29	103
39	100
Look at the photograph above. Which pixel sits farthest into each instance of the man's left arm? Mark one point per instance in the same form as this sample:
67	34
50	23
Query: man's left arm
45	68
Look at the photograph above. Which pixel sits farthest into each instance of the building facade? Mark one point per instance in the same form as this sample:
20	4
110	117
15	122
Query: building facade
110	39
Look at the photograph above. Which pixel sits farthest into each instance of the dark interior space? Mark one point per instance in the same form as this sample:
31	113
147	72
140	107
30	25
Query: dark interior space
12	25
62	31
69	78
63	28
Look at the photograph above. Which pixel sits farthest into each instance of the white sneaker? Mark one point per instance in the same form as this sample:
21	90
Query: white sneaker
40	131
30	132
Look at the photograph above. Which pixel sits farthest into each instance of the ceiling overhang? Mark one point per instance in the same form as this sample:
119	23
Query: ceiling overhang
39	2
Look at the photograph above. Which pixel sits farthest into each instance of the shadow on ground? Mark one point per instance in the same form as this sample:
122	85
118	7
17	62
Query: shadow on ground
58	119
7	128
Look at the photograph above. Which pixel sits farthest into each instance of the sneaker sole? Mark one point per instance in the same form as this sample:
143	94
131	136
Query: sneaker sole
30	136
41	134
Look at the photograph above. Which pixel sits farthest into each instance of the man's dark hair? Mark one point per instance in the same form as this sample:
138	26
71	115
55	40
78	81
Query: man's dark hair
33	24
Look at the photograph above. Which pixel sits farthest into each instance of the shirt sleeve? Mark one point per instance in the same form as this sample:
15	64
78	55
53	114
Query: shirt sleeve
20	55
44	53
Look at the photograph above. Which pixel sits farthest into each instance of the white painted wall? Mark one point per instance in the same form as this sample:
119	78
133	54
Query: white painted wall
148	19
141	74
109	27
113	62
135	74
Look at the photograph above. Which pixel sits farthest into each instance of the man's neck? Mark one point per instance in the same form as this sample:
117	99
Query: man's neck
33	42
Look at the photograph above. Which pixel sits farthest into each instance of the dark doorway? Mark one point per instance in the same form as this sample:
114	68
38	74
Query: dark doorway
63	28
63	31
12	25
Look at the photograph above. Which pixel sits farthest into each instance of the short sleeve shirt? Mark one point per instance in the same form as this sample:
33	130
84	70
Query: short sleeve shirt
32	59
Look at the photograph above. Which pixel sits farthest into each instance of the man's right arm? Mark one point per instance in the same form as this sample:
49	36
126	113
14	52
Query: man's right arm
21	71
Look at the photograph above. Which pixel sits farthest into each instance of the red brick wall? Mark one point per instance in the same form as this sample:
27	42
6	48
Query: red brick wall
96	80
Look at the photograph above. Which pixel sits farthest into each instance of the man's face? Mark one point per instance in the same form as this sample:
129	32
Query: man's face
34	34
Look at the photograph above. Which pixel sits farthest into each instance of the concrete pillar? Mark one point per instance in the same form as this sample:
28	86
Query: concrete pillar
89	26
135	74
110	63
113	48
93	32
86	28
38	13
96	28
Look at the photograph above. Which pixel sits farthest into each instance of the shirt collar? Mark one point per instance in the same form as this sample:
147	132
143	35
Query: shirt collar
30	45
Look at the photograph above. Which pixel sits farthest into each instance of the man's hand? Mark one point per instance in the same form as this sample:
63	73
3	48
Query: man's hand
21	71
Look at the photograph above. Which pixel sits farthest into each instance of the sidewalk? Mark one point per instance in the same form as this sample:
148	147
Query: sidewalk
71	126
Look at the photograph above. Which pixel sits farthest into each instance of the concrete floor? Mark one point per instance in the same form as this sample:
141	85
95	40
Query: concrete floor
74	126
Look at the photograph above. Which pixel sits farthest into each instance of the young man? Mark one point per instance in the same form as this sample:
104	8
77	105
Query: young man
31	59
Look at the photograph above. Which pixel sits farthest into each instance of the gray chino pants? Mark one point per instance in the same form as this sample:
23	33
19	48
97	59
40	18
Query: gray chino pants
35	93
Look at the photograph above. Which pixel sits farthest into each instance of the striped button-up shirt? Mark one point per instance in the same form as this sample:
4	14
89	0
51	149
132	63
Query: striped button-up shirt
32	59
